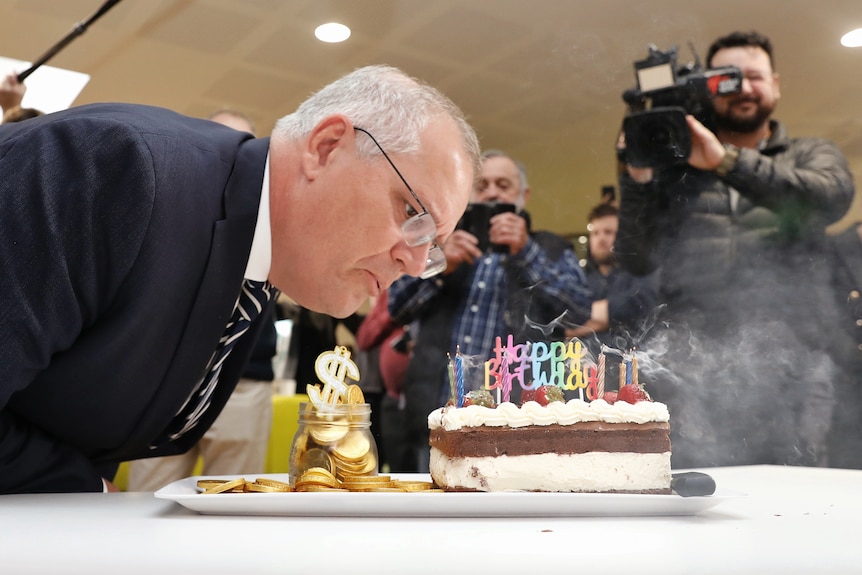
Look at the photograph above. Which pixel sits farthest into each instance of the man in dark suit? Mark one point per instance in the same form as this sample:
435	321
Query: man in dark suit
130	238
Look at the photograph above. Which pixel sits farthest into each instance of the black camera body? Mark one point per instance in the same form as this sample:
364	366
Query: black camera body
477	221
655	130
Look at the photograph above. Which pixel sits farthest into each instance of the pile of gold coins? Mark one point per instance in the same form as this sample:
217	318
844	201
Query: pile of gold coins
314	479
240	485
319	479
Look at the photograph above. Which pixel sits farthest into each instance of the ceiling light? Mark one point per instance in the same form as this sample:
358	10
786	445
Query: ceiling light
332	32
852	39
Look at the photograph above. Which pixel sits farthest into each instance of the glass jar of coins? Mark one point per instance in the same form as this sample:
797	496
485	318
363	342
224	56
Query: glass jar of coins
336	438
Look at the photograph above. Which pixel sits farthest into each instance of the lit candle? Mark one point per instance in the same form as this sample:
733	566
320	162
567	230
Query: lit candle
505	378
459	377
622	373
600	389
450	368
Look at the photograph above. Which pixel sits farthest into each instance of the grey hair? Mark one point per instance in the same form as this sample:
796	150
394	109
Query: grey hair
522	171
391	105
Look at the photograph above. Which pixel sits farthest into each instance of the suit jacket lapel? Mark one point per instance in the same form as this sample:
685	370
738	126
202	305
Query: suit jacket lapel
219	287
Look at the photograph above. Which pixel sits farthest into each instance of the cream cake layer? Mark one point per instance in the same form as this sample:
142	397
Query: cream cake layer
595	472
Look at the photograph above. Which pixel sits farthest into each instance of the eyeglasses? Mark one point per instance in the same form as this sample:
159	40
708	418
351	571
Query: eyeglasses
419	229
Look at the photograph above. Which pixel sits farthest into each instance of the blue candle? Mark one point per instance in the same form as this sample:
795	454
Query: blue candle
459	378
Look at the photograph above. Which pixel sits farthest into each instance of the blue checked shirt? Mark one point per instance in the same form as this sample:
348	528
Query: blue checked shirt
481	314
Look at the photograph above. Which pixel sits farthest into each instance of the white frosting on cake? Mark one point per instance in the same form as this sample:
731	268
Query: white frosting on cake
580	472
559	413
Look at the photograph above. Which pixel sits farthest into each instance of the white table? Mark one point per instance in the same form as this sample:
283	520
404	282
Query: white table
792	520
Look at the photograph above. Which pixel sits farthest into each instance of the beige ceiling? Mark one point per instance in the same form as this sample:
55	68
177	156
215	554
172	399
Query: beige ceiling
539	78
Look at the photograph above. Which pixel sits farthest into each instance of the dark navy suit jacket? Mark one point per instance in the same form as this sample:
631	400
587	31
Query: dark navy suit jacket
124	234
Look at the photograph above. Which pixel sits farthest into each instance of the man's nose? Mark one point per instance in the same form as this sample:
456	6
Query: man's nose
411	261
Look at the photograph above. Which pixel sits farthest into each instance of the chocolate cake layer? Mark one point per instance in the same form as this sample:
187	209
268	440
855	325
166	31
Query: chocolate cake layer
578	438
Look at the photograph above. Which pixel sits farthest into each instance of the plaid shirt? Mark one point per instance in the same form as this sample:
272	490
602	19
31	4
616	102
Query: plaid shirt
480	316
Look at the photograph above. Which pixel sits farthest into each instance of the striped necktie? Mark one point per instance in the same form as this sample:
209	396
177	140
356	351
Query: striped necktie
251	300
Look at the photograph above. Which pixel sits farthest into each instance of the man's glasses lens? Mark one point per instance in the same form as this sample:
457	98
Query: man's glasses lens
435	263
419	230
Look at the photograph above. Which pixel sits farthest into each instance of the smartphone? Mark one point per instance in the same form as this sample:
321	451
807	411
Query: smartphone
477	221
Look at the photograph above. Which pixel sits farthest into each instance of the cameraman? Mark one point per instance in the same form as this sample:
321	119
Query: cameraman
738	235
529	275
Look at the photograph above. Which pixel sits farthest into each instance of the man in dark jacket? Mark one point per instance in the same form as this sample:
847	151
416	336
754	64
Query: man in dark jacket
529	278
139	246
737	234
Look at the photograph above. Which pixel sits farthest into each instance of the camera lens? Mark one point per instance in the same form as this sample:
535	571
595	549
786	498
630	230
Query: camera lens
657	138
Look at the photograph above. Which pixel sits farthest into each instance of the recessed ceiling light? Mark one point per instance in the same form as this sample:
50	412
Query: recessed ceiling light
332	32
852	39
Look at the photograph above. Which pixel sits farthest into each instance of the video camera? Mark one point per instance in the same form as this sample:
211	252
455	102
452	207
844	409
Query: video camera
655	129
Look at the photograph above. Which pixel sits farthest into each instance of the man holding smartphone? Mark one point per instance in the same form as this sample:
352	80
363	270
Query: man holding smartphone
525	278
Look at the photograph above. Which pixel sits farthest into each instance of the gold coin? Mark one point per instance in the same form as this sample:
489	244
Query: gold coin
315	457
353	447
226	486
208	483
413	486
365	466
354	394
260	488
319	488
319	476
371	479
280	485
327	434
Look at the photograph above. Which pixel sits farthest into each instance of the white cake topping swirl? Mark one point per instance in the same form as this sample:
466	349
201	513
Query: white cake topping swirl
532	413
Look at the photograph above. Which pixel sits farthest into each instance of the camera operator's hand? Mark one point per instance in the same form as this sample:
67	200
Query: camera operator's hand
509	229
706	150
640	175
462	246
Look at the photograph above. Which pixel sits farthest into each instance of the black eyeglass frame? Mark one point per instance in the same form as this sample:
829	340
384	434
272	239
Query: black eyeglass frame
436	262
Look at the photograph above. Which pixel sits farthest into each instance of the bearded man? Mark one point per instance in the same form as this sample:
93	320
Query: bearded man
737	235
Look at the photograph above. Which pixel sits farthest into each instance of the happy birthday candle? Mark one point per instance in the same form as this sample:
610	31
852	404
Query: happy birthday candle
459	377
505	378
600	389
634	369
450	368
622	373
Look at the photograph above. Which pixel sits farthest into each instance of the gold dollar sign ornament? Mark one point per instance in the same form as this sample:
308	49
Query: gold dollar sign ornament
332	368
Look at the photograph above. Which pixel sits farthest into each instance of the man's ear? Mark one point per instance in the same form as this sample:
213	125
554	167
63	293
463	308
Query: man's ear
330	134
525	196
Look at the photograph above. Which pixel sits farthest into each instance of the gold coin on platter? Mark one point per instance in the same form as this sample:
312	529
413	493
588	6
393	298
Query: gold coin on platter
320	488
260	488
209	483
274	483
226	486
413	486
318	475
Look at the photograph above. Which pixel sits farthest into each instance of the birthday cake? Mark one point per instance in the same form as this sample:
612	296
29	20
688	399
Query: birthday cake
617	443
